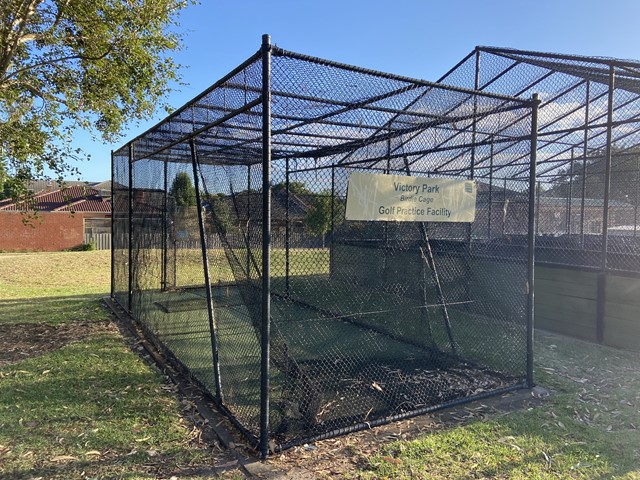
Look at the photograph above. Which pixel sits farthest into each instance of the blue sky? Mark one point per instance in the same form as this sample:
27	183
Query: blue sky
421	39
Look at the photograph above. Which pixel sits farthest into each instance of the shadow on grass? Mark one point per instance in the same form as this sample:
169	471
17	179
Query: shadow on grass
93	409
53	310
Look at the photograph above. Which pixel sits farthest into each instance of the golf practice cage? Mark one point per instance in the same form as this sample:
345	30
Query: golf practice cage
237	250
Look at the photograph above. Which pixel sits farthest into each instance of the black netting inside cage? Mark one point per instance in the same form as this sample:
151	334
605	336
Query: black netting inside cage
237	257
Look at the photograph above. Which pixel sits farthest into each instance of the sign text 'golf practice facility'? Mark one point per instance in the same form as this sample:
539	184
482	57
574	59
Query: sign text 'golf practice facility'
398	198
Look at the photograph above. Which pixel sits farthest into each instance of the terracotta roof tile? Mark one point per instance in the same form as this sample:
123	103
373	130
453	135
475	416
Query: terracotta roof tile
75	198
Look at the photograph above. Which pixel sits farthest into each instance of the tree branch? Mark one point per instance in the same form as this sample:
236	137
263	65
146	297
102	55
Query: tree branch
15	33
54	61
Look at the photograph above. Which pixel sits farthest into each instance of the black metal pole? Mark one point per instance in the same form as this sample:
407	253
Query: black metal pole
490	192
605	213
286	229
207	277
505	205
113	217
468	276
537	214
385	260
130	258
585	146
248	242
333	224
165	229
637	197
570	198
266	246
535	101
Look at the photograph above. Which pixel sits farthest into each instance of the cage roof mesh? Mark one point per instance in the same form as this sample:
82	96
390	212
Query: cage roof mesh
574	94
333	114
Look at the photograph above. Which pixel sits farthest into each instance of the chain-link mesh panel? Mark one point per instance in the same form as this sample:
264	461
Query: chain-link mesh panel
369	320
389	317
234	219
120	218
573	142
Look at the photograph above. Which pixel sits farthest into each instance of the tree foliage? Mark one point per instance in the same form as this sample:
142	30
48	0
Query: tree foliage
318	217
625	172
298	188
77	64
183	191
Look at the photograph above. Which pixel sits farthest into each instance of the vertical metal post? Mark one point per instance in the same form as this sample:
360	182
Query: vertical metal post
130	258
248	221
113	217
535	101
474	125
490	191
207	278
537	214
504	205
570	198
266	246
637	197
585	145
286	229
472	173
165	228
605	214
385	227
332	227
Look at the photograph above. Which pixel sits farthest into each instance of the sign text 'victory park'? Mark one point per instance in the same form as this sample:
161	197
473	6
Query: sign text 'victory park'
398	198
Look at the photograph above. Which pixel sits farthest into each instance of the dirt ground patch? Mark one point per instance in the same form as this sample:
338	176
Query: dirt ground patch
25	340
342	456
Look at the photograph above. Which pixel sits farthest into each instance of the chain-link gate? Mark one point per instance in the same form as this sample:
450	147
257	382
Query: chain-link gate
233	251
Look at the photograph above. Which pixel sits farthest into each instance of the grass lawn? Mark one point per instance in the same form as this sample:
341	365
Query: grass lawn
75	401
588	428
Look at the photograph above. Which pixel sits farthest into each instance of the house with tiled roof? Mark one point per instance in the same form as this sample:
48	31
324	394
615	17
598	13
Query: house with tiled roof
65	218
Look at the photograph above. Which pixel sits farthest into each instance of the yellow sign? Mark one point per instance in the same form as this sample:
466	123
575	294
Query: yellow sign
398	198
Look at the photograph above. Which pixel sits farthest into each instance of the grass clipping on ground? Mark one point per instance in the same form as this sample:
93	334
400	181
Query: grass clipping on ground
75	401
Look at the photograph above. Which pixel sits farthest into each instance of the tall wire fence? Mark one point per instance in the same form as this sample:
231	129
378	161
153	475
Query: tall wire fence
233	251
588	170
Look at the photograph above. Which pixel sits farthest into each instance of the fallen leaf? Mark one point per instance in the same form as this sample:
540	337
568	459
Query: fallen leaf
63	458
377	386
392	460
93	452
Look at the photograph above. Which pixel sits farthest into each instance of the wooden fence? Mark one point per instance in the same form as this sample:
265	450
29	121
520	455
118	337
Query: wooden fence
101	240
568	300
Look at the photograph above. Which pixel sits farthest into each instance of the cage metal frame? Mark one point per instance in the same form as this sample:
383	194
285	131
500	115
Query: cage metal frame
182	138
591	106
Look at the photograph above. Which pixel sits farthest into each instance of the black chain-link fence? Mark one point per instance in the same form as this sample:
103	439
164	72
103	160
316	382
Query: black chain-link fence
369	321
589	113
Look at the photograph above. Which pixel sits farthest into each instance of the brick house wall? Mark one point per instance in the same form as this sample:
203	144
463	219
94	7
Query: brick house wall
51	231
